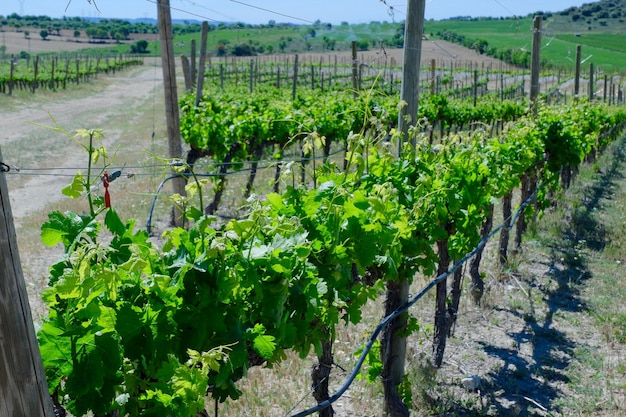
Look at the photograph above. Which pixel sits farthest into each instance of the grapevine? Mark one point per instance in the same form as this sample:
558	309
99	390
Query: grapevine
149	330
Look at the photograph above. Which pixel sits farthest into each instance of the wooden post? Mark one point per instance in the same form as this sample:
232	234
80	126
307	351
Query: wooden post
612	96
23	387
67	73
535	64
251	79
172	114
203	42
355	69
193	68
393	346
222	76
12	62
186	73
414	28
51	84
295	78
591	82
475	89
433	74
577	74
35	73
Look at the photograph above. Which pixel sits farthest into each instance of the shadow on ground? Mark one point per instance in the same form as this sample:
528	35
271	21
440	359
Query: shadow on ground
531	385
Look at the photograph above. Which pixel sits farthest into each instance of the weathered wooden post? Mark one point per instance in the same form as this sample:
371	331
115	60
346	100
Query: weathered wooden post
295	78
577	71
172	114
23	387
592	79
203	53
394	344
11	72
355	69
193	72
535	65
186	72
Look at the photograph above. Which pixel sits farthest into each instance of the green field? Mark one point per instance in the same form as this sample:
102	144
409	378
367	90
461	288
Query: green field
604	49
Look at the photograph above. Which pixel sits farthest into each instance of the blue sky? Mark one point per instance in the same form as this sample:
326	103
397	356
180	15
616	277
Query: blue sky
296	11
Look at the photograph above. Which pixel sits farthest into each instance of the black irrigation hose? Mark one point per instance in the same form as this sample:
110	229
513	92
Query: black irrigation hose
404	308
187	175
154	200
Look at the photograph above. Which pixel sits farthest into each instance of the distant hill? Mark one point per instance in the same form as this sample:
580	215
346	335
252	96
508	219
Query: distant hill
600	16
599	27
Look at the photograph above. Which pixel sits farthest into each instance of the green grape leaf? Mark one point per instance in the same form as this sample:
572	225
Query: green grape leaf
264	345
113	222
75	189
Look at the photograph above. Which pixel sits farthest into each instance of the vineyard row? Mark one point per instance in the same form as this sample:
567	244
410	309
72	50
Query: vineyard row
148	329
52	73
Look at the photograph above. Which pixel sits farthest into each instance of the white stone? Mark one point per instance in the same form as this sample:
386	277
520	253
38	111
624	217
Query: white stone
471	383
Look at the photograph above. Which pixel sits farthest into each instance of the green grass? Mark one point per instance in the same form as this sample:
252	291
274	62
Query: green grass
602	45
607	41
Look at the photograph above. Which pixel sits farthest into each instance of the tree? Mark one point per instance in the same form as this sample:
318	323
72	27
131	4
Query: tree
362	45
329	44
119	37
77	33
222	50
44	34
140	47
243	50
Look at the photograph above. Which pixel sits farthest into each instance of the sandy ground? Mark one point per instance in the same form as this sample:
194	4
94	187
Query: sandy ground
18	128
47	159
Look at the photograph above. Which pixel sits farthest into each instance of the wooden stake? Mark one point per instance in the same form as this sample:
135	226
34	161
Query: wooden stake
591	82
295	78
355	69
203	46
535	64
171	97
193	72
577	75
23	387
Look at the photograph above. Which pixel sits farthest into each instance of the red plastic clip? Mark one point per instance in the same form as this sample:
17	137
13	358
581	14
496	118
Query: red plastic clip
107	196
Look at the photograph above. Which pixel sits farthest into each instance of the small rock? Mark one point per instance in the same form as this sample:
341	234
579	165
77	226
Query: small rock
471	383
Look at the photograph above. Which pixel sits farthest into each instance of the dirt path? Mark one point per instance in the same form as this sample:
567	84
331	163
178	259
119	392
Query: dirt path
27	145
119	104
